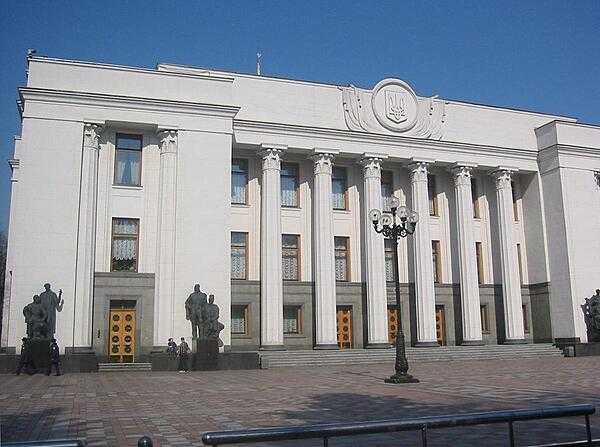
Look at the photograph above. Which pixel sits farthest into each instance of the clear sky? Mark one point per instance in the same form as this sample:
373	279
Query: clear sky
535	55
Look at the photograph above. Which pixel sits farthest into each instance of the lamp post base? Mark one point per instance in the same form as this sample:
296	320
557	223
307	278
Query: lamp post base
401	378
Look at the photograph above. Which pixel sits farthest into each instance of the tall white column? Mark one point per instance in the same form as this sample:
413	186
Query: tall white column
324	257
377	324
164	298
271	279
469	284
86	237
511	284
423	259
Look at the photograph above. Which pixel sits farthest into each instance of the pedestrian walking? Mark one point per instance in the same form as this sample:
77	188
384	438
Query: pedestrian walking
183	352
54	358
24	358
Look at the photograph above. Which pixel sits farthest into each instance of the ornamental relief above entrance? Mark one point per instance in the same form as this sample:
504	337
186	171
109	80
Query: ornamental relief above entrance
392	107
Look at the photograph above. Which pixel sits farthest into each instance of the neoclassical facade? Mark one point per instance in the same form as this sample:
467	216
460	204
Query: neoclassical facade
130	185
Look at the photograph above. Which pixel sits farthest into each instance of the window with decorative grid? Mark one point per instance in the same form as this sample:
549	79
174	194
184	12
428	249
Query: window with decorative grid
292	319
479	256
289	185
475	198
125	237
239	319
290	250
437	261
432	191
387	189
239	255
389	260
128	160
339	187
485	319
514	199
342	258
239	181
525	319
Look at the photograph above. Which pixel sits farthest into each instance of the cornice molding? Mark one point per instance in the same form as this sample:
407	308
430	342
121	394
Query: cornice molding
126	102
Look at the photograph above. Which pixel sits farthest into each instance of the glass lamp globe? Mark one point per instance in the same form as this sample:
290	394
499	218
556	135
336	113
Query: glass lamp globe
402	212
386	219
394	202
374	215
413	217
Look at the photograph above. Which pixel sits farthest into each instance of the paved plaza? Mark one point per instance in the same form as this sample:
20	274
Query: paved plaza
115	409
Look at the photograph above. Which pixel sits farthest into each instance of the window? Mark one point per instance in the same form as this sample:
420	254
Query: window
342	259
514	199
239	181
289	185
290	257
387	189
292	321
239	255
475	197
437	261
519	259
389	260
432	190
485	319
124	256
479	255
239	319
339	185
128	160
525	319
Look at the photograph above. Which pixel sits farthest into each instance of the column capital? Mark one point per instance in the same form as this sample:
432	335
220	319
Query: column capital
597	177
323	162
418	170
91	135
271	156
371	164
461	174
14	164
503	176
167	141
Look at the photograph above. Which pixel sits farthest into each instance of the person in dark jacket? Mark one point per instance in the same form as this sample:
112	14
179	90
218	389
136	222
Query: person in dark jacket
24	360
172	347
184	351
54	358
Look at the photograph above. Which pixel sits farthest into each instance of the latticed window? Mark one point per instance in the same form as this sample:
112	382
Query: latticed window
387	189
342	259
239	181
128	160
292	323
475	198
479	255
339	186
389	260
239	319
525	319
290	256
514	199
289	185
437	261
485	319
432	191
125	233
239	255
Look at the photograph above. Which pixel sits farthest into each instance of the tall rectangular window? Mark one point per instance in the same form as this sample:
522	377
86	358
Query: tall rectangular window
239	255
290	249
387	189
432	191
525	319
128	160
292	320
289	185
389	260
485	319
239	319
479	255
239	181
437	261
125	237
514	199
520	261
339	188
475	198
342	258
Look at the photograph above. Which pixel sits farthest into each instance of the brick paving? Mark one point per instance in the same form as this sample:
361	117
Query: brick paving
115	408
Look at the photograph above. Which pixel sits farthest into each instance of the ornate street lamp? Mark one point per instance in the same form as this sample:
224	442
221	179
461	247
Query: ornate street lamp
391	229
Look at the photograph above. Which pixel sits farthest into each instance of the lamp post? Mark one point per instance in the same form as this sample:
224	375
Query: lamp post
392	230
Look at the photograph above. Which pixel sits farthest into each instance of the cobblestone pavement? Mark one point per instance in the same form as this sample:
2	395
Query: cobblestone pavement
175	409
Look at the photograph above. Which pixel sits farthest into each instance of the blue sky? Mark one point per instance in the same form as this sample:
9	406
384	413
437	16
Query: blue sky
534	55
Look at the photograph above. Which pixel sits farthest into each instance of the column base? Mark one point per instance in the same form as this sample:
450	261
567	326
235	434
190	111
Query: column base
272	348
401	378
427	344
472	343
324	347
515	341
378	346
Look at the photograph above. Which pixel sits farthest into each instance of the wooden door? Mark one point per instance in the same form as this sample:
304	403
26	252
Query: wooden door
121	347
392	324
440	325
344	327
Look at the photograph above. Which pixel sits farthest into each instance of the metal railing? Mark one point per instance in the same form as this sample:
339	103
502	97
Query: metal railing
422	424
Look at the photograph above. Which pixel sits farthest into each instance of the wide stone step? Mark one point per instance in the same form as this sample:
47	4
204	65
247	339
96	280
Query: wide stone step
110	367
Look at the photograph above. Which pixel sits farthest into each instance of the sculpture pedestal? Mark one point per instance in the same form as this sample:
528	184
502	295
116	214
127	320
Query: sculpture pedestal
205	355
39	354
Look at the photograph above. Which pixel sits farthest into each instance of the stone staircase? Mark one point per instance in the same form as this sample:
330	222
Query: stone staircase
278	359
120	367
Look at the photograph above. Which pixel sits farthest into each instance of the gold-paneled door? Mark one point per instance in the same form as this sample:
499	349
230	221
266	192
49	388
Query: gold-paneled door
121	346
440	325
392	324
344	327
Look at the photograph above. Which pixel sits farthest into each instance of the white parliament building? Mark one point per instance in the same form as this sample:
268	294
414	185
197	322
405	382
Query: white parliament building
130	185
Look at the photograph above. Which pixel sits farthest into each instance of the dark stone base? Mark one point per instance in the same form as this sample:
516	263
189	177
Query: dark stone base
378	346
472	343
333	346
72	363
427	344
515	341
273	348
8	363
162	361
582	349
39	351
398	379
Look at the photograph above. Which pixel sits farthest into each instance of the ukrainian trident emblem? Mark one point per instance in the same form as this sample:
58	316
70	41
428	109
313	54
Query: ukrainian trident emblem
395	108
